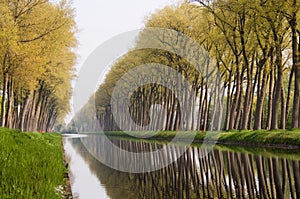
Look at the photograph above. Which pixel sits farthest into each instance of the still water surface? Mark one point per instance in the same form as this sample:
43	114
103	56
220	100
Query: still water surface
226	172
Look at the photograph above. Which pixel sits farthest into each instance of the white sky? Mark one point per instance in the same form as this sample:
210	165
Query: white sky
99	20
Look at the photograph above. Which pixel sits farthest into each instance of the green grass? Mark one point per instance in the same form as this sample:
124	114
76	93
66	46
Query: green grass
277	137
274	138
31	165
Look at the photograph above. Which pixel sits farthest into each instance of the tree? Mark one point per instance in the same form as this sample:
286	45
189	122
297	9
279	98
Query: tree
37	64
251	43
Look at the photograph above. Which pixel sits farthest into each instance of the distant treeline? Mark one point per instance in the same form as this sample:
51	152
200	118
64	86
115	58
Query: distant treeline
36	57
252	81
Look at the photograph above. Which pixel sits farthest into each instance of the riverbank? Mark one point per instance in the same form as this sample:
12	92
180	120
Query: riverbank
263	138
31	165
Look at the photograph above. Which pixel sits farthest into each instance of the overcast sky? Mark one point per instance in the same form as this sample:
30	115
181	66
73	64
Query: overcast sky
99	20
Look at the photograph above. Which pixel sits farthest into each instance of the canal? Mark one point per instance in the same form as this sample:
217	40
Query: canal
99	169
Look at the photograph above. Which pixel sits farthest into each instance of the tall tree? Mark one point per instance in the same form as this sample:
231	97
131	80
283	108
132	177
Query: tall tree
37	63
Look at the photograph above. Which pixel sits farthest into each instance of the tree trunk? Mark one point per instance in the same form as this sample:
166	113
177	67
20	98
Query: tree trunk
228	104
296	66
4	99
10	101
260	102
234	107
283	109
279	82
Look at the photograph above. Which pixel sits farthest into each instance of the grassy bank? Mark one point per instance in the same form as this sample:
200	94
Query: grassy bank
31	165
263	137
279	138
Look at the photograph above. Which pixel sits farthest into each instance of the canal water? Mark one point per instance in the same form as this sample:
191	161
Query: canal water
99	170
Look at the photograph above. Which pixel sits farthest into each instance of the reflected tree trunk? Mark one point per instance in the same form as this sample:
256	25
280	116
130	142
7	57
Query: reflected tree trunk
296	170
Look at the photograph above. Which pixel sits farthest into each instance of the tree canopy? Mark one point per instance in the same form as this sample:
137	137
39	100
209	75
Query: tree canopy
36	54
254	48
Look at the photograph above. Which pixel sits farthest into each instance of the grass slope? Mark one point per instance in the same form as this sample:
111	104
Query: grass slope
263	137
31	165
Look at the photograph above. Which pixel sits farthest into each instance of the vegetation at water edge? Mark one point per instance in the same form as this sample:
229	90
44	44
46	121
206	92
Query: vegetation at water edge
256	138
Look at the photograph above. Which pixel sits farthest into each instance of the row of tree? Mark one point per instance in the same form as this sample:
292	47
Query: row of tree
249	79
37	38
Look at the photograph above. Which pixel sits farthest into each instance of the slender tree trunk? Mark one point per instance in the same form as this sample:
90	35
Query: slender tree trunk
206	109
239	111
4	99
199	121
235	104
279	82
228	104
260	103
296	66
10	101
247	100
288	100
283	109
270	100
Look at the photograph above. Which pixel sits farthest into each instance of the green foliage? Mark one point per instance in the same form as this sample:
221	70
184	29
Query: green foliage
249	44
36	54
31	164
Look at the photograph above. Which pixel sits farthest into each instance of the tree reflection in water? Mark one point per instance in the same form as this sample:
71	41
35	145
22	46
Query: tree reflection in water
220	174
